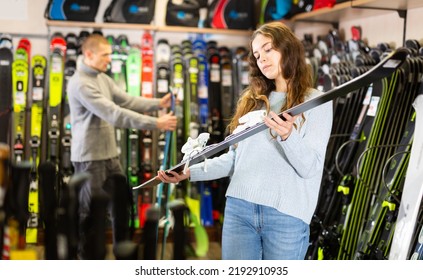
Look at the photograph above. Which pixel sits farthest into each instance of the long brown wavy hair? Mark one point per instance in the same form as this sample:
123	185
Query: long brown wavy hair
294	70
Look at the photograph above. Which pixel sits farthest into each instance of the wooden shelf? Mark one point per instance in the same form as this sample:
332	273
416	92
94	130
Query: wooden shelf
357	9
131	26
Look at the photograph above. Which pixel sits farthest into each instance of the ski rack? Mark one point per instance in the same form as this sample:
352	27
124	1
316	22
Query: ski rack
384	68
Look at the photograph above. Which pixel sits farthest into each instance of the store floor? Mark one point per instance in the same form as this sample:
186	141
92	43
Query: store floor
214	252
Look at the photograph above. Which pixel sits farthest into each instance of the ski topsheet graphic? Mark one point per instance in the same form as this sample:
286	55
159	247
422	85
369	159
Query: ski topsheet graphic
383	69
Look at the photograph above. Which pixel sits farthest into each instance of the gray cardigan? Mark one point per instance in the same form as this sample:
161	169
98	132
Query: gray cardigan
285	175
97	106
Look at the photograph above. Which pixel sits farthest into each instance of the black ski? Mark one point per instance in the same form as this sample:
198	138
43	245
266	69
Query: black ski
383	69
6	60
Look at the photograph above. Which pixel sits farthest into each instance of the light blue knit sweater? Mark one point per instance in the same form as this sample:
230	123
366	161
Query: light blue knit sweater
286	174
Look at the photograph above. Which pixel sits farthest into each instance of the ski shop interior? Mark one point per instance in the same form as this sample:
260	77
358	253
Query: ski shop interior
335	34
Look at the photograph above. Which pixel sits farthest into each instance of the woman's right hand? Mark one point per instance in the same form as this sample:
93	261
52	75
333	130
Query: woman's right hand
172	177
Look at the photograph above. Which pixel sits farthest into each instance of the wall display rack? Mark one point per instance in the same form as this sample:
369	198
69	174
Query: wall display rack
131	26
356	9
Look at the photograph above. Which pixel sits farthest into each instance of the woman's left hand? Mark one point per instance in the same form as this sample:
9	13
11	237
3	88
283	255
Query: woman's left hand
282	127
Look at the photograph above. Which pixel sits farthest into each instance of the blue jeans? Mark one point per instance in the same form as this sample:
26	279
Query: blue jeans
257	232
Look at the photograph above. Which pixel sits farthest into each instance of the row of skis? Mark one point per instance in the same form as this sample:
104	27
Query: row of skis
367	186
370	200
37	180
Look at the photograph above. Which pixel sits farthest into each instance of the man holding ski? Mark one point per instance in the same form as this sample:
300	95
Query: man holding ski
97	106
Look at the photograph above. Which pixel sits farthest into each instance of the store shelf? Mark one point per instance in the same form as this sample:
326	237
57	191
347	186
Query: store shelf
98	25
357	9
131	26
204	30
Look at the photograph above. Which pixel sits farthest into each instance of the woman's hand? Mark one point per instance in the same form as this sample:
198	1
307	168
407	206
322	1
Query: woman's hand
172	176
278	125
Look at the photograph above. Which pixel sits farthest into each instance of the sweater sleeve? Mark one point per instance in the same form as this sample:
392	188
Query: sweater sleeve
214	168
134	103
91	98
307	153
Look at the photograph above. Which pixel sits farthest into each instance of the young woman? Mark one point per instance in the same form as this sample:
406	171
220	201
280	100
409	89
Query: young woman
275	174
